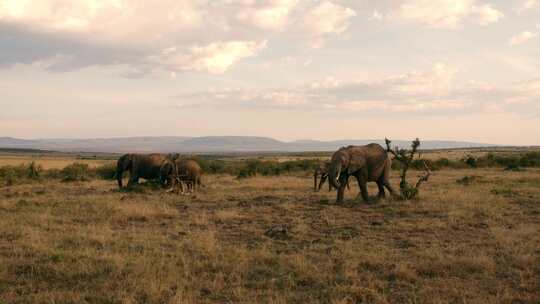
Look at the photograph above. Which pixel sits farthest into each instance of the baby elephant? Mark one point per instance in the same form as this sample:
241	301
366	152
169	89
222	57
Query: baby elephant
322	171
181	172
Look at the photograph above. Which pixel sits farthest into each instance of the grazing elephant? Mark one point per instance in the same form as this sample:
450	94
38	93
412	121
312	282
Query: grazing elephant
146	166
182	171
369	163
322	171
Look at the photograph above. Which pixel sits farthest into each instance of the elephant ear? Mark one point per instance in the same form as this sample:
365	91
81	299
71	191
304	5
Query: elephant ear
356	163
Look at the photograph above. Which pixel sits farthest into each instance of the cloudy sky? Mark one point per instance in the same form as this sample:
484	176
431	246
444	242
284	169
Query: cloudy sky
288	69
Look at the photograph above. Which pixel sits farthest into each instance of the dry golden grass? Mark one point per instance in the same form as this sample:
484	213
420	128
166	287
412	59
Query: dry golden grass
272	240
49	162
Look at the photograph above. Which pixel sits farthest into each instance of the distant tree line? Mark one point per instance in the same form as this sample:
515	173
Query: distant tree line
257	167
509	162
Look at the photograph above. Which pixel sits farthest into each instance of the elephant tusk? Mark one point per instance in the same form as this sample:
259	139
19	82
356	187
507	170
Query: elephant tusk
337	176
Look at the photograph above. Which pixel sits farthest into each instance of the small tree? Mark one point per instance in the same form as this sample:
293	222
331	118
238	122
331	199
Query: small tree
406	157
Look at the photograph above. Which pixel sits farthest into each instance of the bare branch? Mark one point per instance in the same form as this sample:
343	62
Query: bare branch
423	178
389	148
406	157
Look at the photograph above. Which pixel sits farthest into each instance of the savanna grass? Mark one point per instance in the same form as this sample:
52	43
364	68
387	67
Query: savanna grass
271	239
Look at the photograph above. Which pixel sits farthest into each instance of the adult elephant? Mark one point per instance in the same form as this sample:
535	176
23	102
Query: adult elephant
145	166
369	163
181	170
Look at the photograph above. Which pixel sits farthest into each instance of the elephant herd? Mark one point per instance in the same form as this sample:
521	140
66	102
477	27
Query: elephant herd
171	170
369	163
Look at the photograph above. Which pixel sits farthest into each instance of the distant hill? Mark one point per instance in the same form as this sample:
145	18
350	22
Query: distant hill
206	144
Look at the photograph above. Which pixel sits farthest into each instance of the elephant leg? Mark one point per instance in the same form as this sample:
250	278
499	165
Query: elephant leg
341	190
340	194
323	180
329	183
181	186
133	179
380	185
362	184
119	175
388	186
315	181
172	183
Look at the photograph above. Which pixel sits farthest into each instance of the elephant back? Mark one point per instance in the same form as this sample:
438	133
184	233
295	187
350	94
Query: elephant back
376	160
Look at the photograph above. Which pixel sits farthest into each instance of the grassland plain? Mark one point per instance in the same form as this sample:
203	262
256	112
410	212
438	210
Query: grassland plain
472	237
51	162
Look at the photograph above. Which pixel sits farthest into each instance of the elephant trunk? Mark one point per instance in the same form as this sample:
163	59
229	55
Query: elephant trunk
121	166
334	173
165	174
119	173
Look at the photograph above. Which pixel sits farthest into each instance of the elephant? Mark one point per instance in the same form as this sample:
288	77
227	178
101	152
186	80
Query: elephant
322	171
146	166
181	171
369	163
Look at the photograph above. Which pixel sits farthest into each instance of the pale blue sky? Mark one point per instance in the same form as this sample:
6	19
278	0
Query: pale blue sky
288	69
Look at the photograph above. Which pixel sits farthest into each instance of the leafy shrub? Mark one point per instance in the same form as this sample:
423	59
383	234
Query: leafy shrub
107	172
513	162
52	174
513	167
76	172
531	159
15	174
243	174
9	174
471	162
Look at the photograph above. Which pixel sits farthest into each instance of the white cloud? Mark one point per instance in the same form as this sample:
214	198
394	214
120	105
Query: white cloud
522	37
327	18
109	18
209	35
274	16
486	14
448	14
435	91
138	35
214	58
376	15
527	5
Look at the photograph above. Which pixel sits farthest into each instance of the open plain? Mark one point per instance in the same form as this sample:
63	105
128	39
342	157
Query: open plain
473	236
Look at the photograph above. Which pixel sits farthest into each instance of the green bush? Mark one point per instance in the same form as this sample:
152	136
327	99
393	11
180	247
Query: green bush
243	174
15	174
513	162
471	162
531	159
52	174
107	172
9	174
76	172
